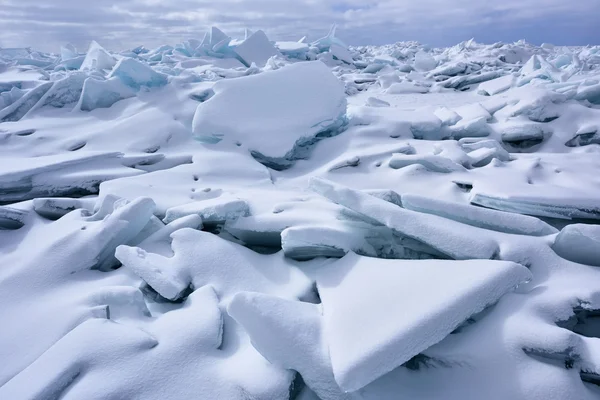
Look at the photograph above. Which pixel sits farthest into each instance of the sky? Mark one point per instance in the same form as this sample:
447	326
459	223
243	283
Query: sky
122	24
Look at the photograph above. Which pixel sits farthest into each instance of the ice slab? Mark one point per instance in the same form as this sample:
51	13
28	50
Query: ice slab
18	109
498	85
477	216
451	238
60	175
12	218
103	93
97	58
262	112
472	145
447	116
341	53
435	163
579	243
289	334
59	207
523	136
521	200
136	74
212	211
256	49
365	343
405	87
470	128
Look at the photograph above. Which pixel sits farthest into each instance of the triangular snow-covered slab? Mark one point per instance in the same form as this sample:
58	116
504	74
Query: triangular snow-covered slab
380	313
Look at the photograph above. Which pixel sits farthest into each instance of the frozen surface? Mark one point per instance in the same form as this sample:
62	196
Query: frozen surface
241	218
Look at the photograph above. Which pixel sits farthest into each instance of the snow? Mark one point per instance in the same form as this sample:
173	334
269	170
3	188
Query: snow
235	217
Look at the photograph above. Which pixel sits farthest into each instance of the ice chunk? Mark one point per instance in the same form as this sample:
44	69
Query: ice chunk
538	67
365	343
256	49
424	61
19	108
202	258
481	217
453	239
523	136
63	92
447	116
60	175
473	111
135	74
590	93
293	49
12	218
449	69
586	135
68	52
497	85
427	127
289	334
579	243
405	87
306	242
55	208
277	115
97	59
215	37
341	53
470	145
470	128
102	93
212	211
435	163
326	42
520	200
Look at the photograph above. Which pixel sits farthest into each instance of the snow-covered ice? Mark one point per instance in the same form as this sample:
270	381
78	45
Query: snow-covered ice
242	218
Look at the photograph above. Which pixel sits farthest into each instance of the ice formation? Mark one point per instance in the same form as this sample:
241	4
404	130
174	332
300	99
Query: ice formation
236	217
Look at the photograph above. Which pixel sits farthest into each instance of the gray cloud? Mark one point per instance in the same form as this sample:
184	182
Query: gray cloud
128	23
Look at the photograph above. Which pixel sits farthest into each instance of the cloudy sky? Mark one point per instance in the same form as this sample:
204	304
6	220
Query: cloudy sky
120	24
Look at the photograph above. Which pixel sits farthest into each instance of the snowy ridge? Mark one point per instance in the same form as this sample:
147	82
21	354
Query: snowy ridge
241	218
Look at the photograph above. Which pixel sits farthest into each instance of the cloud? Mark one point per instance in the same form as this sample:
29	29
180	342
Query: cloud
128	23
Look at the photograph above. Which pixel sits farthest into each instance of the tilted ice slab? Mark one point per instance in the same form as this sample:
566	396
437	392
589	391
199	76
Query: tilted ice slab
274	114
477	216
59	175
289	334
451	238
212	211
12	218
404	307
553	202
